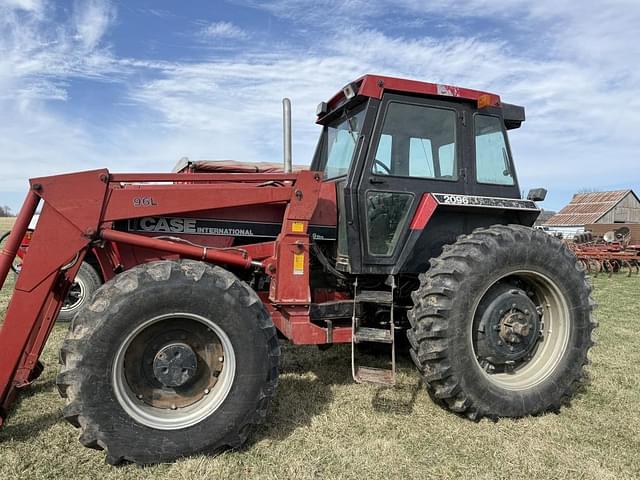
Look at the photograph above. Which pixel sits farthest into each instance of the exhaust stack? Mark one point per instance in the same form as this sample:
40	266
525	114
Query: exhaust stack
286	127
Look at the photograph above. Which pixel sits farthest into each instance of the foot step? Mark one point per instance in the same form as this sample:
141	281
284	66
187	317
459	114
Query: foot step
373	296
377	376
379	335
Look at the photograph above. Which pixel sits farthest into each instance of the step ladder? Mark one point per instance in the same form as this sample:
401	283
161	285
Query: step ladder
362	374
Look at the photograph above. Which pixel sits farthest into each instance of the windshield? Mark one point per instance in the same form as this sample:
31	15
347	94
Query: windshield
341	138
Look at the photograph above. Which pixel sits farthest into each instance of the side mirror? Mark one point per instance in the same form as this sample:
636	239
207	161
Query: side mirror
537	194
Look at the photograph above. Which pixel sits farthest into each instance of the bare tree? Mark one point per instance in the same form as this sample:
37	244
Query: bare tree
5	211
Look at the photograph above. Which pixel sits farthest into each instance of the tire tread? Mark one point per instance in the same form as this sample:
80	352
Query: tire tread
430	322
77	344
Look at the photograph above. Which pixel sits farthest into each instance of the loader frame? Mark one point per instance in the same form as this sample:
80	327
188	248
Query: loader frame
78	213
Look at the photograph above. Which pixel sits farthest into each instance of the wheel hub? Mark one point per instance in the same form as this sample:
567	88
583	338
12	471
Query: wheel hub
175	365
509	328
514	326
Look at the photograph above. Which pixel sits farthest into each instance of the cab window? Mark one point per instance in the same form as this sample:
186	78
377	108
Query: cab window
492	156
341	139
417	141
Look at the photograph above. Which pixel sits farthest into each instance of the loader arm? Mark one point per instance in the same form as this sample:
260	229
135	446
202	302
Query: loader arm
78	211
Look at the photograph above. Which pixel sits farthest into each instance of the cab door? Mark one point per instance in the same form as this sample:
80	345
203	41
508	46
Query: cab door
417	146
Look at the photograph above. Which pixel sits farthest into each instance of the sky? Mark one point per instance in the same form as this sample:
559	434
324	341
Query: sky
136	85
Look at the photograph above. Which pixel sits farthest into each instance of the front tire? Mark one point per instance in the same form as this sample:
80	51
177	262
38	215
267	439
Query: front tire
168	360
501	324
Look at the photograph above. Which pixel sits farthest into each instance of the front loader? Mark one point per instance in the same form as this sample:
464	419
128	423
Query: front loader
409	219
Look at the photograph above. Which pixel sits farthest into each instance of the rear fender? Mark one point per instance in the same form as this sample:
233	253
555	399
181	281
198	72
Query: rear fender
450	216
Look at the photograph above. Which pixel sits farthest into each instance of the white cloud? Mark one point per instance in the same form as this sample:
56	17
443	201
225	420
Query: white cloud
39	60
575	73
573	66
91	20
39	57
236	101
34	6
223	30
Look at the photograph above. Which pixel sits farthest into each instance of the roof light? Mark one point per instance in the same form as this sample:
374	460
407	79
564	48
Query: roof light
484	100
322	108
349	91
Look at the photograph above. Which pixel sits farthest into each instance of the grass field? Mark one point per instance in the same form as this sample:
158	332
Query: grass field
6	224
322	425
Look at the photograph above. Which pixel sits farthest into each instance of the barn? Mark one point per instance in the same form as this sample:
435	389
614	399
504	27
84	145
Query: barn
619	206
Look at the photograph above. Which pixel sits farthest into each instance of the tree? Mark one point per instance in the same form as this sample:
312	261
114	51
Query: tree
5	211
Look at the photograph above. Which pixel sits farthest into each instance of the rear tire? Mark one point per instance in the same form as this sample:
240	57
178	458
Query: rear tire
501	324
85	284
114	380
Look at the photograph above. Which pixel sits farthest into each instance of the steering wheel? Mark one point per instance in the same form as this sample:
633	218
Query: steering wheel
378	163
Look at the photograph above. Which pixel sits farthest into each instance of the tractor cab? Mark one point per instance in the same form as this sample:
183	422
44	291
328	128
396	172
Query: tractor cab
393	145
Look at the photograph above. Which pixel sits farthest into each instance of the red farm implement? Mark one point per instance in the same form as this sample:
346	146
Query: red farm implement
608	257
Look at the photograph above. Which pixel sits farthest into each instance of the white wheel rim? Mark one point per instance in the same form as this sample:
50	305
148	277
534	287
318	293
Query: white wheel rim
80	284
556	332
167	419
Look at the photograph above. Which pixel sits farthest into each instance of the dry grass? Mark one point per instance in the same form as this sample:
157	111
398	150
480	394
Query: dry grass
322	425
6	223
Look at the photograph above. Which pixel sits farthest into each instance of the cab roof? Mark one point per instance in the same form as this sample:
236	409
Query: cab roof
375	86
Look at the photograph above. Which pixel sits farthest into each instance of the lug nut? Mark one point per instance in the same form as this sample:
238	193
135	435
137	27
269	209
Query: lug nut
221	359
206	391
173	407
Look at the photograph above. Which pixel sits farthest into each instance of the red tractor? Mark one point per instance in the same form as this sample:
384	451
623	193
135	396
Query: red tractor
409	219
